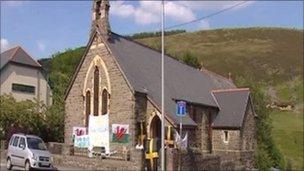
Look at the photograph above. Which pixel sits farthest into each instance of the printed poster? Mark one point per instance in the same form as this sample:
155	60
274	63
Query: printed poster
120	133
78	131
99	132
82	141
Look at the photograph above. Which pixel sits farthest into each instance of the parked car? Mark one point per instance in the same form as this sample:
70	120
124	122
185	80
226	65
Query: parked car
28	151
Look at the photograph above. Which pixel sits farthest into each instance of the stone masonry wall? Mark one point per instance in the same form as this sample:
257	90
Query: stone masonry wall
121	102
241	143
199	137
85	163
249	139
192	160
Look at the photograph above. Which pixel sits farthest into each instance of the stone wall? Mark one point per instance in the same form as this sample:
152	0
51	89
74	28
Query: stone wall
218	143
199	137
196	160
241	142
121	103
249	138
85	163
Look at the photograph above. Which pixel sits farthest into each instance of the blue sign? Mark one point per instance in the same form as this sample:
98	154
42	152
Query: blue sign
181	108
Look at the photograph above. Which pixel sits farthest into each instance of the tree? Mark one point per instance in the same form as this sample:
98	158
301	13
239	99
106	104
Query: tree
30	117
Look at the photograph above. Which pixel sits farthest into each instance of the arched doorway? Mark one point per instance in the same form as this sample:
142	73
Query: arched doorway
155	136
155	127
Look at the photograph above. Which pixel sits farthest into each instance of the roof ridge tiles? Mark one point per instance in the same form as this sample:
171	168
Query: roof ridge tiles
215	74
230	90
30	56
14	54
11	49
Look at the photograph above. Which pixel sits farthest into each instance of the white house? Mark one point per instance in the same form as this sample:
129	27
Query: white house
23	77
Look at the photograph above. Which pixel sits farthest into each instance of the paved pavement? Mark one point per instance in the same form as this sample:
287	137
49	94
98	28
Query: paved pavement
3	167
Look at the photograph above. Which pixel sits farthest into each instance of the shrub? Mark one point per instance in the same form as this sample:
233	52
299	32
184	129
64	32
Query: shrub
267	154
30	117
191	60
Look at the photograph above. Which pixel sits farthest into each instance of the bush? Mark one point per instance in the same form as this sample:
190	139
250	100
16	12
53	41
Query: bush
267	154
30	117
191	60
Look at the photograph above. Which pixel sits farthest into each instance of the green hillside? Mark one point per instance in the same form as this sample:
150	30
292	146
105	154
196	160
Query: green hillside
270	58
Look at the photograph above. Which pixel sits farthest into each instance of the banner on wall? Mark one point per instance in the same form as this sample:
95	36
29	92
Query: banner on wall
181	142
120	133
82	141
78	131
99	132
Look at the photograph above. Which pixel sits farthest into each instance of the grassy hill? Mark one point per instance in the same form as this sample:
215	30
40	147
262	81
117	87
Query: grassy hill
270	57
266	54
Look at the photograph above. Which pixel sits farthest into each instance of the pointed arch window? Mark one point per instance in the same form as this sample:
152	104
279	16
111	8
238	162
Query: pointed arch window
88	107
105	97
96	90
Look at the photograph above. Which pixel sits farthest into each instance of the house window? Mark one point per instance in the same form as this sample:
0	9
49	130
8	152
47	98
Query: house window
96	90
226	136
88	107
104	102
23	88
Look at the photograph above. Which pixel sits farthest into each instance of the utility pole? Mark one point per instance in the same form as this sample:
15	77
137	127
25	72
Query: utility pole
163	93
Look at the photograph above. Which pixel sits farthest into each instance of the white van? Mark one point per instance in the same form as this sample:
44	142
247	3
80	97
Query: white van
28	151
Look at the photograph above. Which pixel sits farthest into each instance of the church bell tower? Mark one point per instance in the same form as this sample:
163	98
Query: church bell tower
100	17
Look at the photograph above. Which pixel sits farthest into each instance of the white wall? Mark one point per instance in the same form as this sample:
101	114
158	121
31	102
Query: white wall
27	76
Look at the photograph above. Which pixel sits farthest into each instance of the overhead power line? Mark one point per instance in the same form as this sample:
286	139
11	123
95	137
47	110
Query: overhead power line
207	16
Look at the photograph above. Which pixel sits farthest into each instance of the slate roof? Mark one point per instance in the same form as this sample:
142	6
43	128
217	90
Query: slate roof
142	67
17	55
232	107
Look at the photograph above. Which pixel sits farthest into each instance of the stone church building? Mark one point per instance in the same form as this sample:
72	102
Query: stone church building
122	78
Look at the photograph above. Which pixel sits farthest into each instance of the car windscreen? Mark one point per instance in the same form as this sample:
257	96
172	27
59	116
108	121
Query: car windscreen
35	143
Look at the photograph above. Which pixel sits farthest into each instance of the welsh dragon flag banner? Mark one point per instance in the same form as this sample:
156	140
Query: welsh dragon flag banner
120	133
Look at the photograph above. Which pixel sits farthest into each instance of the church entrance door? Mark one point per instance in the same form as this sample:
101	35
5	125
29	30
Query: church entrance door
154	144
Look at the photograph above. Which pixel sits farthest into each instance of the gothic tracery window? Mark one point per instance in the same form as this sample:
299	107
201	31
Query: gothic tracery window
105	97
88	107
96	90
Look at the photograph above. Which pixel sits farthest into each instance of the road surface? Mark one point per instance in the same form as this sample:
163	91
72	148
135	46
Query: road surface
3	167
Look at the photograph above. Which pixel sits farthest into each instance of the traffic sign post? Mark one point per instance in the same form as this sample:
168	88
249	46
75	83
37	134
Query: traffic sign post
181	112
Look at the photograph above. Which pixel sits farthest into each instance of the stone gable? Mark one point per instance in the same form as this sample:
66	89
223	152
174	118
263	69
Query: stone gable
121	102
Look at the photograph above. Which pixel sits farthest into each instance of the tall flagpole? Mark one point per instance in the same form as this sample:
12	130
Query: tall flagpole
163	94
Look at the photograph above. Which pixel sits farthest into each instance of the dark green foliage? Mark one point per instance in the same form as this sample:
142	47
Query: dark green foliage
288	166
191	60
267	154
46	64
154	34
30	117
63	66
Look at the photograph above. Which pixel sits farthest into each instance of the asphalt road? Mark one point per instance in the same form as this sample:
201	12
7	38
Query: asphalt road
3	167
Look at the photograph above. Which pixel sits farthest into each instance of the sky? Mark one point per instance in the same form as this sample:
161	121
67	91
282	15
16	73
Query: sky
43	28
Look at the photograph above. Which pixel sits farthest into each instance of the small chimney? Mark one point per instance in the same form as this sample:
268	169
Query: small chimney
100	17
